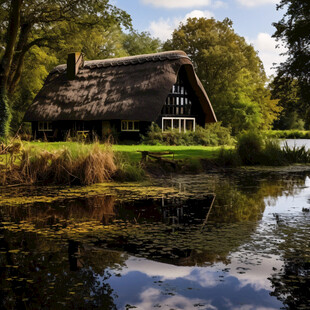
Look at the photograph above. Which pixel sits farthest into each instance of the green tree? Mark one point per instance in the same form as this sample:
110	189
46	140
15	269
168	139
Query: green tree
295	113
230	71
294	31
136	43
28	23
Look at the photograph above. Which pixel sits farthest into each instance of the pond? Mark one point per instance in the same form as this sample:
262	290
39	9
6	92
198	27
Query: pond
236	240
296	143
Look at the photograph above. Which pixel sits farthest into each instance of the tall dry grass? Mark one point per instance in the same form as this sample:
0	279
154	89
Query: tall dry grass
87	165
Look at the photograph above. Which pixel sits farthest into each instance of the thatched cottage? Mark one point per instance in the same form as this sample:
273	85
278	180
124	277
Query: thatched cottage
122	95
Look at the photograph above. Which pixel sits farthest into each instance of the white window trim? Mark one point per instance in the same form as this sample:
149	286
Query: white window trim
127	121
49	126
178	119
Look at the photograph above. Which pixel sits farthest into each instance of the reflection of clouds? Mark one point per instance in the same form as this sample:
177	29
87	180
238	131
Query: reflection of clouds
152	297
156	269
257	276
202	276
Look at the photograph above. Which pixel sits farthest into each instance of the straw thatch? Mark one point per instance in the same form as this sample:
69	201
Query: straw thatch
124	88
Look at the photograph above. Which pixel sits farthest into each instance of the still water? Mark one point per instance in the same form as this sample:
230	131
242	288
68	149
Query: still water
217	241
297	143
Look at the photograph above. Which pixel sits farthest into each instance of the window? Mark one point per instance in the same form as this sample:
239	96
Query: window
178	101
181	124
45	126
130	126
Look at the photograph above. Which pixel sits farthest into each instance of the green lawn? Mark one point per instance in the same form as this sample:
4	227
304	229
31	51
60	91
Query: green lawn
131	151
180	152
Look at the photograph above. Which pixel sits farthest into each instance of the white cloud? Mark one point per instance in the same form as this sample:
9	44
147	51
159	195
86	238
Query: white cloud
254	3
163	28
267	51
219	4
171	4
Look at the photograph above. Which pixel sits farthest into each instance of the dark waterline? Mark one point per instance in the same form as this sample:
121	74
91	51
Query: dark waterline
220	242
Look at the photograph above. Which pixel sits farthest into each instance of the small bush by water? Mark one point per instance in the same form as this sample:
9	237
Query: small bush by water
255	149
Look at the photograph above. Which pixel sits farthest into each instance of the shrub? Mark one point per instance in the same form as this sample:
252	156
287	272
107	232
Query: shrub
272	154
211	135
228	158
249	147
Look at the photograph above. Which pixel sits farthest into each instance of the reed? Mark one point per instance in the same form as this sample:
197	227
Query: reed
89	165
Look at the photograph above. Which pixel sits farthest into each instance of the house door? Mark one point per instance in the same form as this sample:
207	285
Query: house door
106	128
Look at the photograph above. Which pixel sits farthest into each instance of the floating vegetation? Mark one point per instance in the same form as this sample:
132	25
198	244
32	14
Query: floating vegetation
62	252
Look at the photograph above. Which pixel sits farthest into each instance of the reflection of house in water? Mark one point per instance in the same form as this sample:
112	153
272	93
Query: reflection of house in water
189	211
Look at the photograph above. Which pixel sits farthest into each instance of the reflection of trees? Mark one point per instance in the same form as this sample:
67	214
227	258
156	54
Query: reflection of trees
291	284
100	208
38	276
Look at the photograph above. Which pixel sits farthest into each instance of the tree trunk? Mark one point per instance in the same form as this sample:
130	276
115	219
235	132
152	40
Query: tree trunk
5	65
18	58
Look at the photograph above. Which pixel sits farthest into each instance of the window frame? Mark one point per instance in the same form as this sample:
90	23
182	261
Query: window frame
45	126
179	119
134	126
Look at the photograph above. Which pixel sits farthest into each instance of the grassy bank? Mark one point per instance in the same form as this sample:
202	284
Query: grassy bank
77	163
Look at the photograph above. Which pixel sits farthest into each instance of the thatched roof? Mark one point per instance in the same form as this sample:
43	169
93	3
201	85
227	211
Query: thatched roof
123	88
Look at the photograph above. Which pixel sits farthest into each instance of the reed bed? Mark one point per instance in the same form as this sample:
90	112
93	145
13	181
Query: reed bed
85	164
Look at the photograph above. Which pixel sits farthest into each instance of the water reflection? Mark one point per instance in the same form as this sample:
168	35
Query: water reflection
221	242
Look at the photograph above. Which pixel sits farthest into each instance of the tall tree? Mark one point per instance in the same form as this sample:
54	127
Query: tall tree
28	23
294	31
230	71
136	43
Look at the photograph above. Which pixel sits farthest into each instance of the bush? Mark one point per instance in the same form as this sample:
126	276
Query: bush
211	135
272	154
249	147
228	158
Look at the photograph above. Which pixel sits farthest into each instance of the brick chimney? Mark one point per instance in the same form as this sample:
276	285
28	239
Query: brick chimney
74	62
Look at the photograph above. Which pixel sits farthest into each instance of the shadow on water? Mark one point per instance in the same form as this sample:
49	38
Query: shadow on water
64	254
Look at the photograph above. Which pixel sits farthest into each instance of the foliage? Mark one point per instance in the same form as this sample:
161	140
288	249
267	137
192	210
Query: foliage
136	43
5	116
288	134
230	71
211	135
294	30
296	111
228	158
249	146
26	24
254	149
296	154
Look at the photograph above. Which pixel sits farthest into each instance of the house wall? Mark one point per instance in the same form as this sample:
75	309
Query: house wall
62	130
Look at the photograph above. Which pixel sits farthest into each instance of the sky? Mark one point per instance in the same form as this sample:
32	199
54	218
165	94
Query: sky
251	19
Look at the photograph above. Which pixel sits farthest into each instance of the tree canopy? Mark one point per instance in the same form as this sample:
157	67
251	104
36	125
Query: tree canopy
294	31
230	71
28	23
